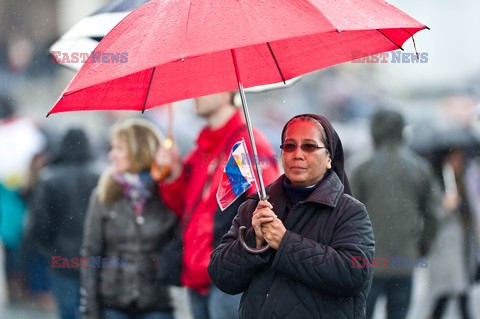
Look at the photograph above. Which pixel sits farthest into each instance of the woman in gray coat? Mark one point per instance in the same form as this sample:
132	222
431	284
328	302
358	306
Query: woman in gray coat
127	226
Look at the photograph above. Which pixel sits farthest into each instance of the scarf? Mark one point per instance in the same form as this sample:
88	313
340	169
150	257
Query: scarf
301	193
137	188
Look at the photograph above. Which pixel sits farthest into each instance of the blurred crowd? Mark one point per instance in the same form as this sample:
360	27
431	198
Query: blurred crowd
439	141
37	163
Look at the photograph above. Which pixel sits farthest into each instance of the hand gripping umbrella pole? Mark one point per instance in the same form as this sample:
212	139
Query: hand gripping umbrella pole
263	194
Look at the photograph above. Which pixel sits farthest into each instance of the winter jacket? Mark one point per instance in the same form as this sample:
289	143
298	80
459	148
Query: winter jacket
324	233
193	195
59	200
111	231
403	200
59	206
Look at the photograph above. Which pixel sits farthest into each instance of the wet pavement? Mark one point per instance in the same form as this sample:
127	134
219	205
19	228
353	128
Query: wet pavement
26	311
419	306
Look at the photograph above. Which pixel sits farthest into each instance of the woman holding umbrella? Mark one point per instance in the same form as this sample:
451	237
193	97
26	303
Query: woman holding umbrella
315	229
126	229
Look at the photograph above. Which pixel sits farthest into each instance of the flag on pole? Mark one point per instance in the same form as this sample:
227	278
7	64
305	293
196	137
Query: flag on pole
237	176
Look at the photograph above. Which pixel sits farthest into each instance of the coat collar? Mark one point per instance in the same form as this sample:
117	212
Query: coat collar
327	193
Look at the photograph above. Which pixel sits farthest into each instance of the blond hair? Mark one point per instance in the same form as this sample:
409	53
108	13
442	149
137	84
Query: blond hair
143	141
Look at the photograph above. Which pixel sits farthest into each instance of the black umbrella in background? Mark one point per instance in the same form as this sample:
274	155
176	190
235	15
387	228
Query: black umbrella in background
435	143
428	140
85	35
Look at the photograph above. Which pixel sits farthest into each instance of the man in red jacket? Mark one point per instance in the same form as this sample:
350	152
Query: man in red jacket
191	192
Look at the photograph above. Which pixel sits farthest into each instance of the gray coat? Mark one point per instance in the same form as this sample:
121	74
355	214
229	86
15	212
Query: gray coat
111	232
403	200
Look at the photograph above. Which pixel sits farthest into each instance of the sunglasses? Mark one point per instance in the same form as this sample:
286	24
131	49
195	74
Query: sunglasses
309	148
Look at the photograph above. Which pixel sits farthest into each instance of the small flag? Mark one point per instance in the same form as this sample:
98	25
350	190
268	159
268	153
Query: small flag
237	176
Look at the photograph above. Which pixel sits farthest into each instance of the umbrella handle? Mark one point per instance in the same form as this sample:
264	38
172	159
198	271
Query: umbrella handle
160	173
241	237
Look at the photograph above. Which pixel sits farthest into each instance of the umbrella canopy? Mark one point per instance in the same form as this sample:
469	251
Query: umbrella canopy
166	51
85	35
437	141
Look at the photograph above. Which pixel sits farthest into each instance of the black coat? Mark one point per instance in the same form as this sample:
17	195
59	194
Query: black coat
315	256
59	204
60	198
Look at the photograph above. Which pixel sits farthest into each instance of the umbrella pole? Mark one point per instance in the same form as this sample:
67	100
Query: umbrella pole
263	194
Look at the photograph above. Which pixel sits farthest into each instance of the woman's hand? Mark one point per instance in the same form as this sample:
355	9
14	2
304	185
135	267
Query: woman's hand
262	214
273	232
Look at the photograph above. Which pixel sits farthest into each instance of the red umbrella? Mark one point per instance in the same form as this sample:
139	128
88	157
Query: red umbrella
166	51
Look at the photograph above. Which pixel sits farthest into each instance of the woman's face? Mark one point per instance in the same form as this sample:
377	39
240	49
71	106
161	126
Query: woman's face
305	168
119	155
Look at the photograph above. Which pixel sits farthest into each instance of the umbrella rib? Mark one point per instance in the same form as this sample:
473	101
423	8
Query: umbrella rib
148	90
390	39
276	62
414	45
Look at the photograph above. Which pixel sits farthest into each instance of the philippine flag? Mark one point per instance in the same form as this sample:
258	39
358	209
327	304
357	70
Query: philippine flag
237	176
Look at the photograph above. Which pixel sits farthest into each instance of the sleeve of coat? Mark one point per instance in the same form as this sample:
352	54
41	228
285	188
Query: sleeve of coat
330	268
43	225
92	245
231	267
432	211
356	182
172	194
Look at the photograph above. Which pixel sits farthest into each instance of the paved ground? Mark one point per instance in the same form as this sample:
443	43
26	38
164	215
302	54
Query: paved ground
25	311
31	310
418	310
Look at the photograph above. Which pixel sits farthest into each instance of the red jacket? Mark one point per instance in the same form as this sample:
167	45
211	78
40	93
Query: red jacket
193	195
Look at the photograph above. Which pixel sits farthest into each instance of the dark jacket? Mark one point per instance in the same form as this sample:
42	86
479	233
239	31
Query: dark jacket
323	233
60	200
403	201
111	231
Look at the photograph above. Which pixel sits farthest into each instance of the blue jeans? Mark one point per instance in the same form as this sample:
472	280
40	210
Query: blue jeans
215	305
66	290
397	291
109	313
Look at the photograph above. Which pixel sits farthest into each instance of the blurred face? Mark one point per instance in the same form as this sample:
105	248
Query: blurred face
305	168
207	105
119	155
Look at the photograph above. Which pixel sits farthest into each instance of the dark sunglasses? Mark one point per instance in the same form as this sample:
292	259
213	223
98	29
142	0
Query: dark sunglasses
309	148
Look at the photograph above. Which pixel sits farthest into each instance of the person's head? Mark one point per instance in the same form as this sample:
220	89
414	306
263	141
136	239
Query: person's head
387	127
74	147
208	105
305	156
310	147
134	145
